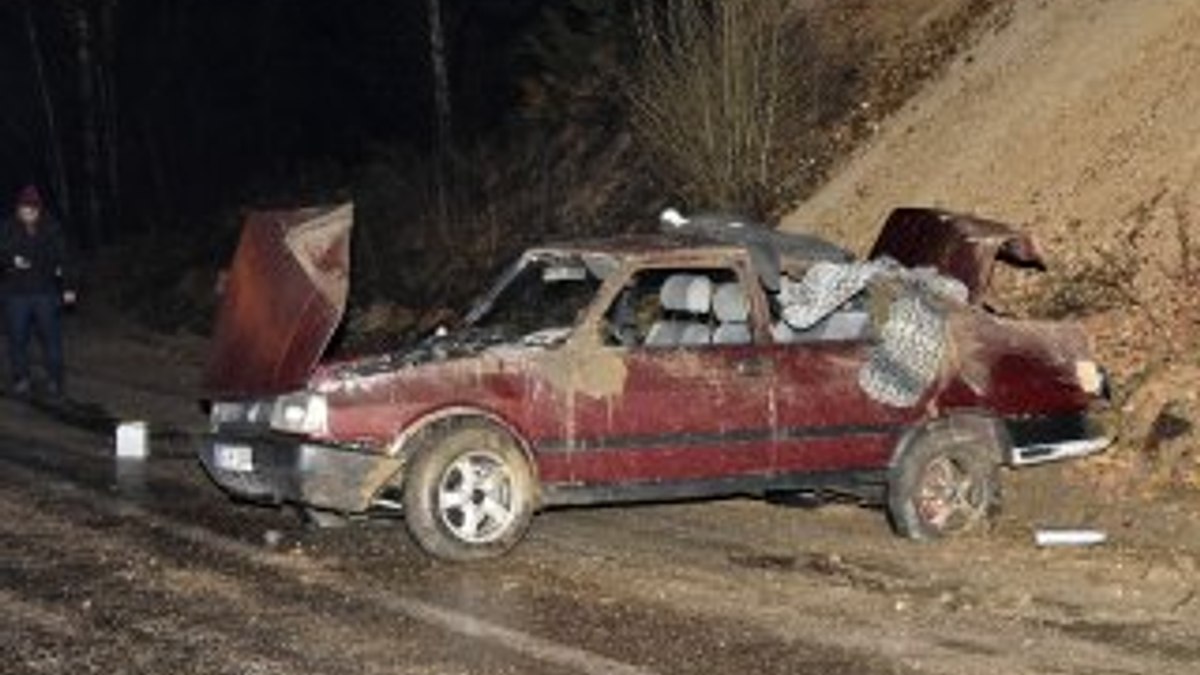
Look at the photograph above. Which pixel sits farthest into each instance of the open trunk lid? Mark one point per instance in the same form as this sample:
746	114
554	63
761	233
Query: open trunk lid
957	245
284	297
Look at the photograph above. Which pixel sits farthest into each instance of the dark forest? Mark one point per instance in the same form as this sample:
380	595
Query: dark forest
462	130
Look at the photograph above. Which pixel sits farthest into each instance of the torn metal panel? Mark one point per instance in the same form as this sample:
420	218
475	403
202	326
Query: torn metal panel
319	242
960	246
996	360
907	359
823	289
285	297
740	231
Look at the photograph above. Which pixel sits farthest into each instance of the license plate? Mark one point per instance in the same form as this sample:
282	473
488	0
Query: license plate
234	458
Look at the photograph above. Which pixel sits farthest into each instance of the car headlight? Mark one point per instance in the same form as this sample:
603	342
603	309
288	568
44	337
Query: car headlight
301	413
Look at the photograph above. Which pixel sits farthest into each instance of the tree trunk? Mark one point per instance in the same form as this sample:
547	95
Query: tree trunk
441	103
54	151
110	145
85	62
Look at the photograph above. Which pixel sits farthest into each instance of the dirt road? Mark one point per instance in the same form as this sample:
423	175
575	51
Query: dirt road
147	568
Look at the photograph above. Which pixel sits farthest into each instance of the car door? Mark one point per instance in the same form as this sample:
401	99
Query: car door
691	415
826	422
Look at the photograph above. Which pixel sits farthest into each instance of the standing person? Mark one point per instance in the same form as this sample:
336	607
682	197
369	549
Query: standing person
37	281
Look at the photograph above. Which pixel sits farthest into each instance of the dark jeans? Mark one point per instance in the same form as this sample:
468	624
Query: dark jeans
24	314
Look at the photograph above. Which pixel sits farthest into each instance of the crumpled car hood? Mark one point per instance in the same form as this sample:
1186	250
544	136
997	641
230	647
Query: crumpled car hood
284	298
461	344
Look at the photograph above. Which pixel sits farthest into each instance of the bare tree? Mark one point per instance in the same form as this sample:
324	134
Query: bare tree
109	108
54	146
90	107
443	114
707	96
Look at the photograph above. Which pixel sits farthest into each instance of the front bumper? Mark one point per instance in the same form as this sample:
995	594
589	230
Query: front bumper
1036	440
276	468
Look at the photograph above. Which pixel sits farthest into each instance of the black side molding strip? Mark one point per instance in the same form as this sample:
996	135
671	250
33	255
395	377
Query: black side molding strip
665	441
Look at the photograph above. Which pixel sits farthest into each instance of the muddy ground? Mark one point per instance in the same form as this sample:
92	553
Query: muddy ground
145	567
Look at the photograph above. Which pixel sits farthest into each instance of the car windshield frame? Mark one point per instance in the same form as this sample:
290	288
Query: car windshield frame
597	266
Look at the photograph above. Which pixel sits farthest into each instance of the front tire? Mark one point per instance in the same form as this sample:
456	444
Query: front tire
469	492
945	485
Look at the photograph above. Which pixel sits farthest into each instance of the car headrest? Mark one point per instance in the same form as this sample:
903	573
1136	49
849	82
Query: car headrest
730	304
687	293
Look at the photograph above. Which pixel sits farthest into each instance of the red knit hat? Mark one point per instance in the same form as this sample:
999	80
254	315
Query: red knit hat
29	196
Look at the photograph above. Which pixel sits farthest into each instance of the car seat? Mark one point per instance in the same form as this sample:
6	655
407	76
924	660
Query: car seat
732	310
685	298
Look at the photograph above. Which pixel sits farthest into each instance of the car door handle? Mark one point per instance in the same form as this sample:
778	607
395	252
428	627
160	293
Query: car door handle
754	366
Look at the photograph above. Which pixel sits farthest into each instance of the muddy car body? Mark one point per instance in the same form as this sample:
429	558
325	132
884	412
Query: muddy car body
601	372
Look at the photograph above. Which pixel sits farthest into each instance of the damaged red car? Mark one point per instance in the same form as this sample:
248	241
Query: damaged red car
718	358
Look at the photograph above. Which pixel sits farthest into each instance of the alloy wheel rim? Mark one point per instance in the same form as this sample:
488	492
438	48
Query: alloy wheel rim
947	497
475	498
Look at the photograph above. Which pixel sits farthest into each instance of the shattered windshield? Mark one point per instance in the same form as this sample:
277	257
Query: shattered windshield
541	293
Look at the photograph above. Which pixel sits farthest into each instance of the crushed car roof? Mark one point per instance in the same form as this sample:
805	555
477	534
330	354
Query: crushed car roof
634	246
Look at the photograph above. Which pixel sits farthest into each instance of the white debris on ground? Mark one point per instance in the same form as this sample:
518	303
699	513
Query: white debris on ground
1069	537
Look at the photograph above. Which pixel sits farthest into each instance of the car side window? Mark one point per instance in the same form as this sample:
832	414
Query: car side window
850	322
673	308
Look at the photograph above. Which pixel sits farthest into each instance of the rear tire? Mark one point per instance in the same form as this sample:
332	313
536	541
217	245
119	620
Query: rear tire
468	492
945	485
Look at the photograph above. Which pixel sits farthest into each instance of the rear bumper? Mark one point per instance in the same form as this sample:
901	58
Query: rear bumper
1036	440
277	468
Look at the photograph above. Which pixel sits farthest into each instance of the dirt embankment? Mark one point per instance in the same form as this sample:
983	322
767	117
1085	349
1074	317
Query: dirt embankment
1077	119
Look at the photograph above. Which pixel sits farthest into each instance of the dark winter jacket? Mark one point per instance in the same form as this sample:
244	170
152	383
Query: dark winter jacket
34	263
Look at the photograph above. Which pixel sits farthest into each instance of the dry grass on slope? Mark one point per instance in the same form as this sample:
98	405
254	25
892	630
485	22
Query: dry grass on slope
1077	119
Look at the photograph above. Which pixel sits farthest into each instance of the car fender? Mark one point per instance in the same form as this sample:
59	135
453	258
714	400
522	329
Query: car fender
980	422
412	433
